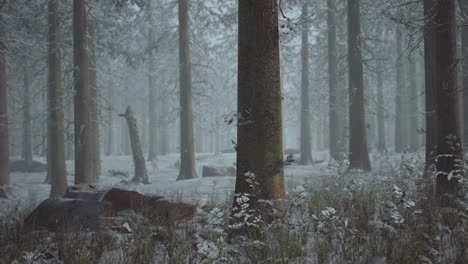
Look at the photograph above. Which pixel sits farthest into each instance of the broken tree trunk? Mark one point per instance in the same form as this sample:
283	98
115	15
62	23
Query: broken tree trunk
141	174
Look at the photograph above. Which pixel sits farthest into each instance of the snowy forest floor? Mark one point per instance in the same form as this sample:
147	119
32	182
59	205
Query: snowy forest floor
333	216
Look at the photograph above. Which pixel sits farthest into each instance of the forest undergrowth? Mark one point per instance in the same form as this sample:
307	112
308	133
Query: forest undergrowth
386	216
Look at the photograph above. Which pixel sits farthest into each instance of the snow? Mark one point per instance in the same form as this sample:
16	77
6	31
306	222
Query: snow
30	190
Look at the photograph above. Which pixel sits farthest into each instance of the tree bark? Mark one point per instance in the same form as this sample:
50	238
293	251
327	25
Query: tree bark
399	119
449	161
110	128
430	87
306	146
83	125
464	8
334	126
141	174
4	148
56	162
96	147
187	148
152	100
260	174
381	143
413	108
358	153
27	129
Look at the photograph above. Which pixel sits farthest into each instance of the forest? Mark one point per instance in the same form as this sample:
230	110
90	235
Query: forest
224	131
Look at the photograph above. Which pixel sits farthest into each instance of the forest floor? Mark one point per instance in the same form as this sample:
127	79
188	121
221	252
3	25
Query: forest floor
333	216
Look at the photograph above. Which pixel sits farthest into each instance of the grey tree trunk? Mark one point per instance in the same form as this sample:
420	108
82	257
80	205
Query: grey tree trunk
333	100
400	145
4	149
381	142
358	152
153	135
27	129
141	174
82	107
56	162
449	163
430	87
187	148
259	128
306	146
110	128
95	116
413	108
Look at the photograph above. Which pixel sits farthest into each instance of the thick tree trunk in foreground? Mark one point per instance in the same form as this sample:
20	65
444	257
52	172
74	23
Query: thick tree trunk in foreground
56	162
358	153
430	87
141	174
306	145
449	161
83	125
4	150
27	129
464	7
260	174
94	103
187	148
413	108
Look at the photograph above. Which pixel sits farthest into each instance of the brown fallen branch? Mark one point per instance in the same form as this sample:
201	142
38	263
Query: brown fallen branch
141	174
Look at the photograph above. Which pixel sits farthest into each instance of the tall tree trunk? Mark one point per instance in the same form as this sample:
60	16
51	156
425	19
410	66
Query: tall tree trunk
306	146
358	153
163	126
413	108
187	148
110	128
334	130
83	125
96	147
27	129
430	85
381	144
141	174
464	8
4	149
449	161
260	174
399	119
152	99
56	162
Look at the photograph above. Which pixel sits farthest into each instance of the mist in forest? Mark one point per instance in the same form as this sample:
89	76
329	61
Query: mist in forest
249	131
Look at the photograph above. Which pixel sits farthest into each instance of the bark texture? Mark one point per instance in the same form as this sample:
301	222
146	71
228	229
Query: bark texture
152	99
413	107
27	128
96	152
381	143
306	144
358	153
4	149
430	84
260	175
56	162
141	174
187	148
464	8
400	136
334	125
449	161
82	107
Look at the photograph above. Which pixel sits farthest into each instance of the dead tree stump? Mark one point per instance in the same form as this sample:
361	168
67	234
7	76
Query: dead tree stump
141	174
